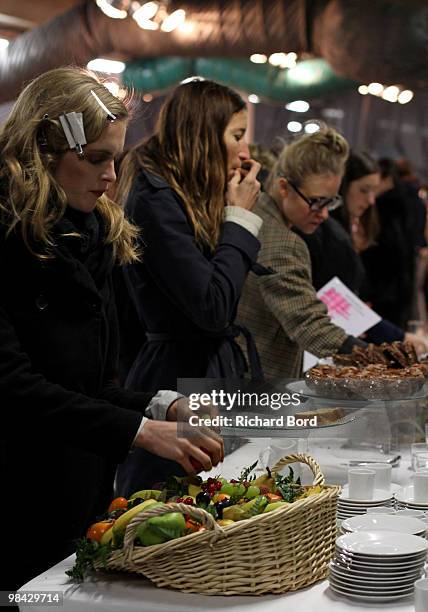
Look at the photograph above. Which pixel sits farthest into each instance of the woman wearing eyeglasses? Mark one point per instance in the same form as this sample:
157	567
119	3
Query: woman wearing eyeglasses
281	309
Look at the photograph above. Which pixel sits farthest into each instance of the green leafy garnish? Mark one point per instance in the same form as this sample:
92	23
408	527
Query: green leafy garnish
288	487
88	551
245	474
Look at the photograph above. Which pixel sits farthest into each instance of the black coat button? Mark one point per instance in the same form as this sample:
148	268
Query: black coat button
41	302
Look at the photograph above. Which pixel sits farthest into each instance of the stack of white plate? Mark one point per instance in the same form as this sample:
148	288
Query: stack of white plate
405	498
384	522
377	566
348	507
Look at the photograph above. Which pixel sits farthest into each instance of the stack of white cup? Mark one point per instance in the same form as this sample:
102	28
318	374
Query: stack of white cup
364	481
368	487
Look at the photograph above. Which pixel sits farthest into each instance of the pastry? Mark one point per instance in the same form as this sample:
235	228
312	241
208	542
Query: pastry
324	415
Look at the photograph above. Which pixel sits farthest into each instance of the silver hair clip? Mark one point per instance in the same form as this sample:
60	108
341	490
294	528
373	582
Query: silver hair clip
72	124
104	107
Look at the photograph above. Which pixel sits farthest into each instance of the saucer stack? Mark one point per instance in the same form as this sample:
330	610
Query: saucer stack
348	507
405	499
384	522
377	566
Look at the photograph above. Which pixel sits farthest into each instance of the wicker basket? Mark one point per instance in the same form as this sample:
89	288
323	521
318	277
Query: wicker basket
283	550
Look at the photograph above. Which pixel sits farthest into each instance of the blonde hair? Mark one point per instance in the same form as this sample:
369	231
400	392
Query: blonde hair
32	142
323	152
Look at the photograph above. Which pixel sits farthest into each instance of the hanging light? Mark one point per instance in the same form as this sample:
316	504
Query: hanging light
375	89
289	61
253	98
105	65
113	87
294	126
276	59
144	15
116	9
391	93
405	96
311	127
173	21
258	58
146	11
148	15
298	106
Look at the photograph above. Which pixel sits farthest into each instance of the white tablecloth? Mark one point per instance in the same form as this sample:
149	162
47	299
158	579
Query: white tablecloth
113	592
117	593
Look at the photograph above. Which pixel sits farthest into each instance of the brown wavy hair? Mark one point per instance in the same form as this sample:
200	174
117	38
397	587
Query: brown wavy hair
187	150
31	200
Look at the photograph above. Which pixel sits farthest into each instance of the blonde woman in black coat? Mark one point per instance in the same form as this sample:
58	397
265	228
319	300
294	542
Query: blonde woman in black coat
65	421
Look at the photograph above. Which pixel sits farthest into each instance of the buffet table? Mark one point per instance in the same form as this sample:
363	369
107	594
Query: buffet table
120	592
114	592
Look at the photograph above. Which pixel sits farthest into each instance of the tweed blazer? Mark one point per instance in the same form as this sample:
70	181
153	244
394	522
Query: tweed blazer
281	309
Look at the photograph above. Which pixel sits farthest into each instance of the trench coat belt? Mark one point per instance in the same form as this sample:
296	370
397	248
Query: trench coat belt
231	332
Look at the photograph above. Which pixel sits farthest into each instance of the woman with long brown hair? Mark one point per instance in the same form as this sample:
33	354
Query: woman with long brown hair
187	190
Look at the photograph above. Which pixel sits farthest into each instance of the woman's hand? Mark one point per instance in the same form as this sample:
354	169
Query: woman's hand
419	342
243	188
180	411
161	438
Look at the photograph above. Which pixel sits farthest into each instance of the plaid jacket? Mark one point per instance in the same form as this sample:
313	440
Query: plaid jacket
282	310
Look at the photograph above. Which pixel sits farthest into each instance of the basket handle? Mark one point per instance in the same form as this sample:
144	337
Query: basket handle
310	461
202	515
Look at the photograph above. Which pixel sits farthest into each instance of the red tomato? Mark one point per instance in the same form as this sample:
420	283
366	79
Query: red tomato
96	531
118	503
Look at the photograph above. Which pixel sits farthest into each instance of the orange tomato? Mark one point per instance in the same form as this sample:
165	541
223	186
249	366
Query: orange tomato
96	531
118	503
273	497
193	525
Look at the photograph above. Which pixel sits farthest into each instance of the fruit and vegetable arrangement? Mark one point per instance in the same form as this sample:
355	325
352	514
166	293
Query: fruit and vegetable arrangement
228	501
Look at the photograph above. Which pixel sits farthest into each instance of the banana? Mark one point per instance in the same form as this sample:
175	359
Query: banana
233	513
254	506
121	523
107	536
194	490
146	494
274	506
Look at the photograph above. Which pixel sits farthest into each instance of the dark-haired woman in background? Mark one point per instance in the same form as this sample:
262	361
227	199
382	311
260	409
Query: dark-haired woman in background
390	262
336	247
186	189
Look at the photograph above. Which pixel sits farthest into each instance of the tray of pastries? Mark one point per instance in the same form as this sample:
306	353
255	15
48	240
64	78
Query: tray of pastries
386	372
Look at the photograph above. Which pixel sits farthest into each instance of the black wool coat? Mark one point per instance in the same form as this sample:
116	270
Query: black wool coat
65	422
185	298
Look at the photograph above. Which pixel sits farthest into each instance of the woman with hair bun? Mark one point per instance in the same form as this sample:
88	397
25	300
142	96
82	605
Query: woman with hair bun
281	309
66	422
